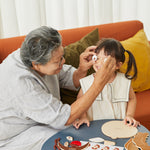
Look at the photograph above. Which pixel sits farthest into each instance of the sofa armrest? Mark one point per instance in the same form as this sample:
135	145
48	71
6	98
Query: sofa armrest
142	112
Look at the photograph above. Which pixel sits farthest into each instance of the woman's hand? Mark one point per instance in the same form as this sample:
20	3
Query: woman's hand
128	120
86	61
103	75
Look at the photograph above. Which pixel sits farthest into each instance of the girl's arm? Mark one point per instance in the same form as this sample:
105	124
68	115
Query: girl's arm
83	119
131	107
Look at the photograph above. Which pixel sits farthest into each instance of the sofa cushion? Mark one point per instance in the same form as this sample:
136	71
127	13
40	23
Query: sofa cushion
140	48
72	53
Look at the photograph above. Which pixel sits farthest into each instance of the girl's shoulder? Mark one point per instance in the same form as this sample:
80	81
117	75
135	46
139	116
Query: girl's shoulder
121	75
89	77
121	79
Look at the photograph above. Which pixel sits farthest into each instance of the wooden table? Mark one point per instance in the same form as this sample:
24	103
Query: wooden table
84	133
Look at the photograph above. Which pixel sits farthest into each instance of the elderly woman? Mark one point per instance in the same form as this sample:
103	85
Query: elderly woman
31	77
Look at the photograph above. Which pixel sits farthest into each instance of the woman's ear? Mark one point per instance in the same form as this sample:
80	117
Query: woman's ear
35	66
118	65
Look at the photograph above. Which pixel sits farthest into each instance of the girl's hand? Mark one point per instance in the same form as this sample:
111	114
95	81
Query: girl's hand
79	122
131	121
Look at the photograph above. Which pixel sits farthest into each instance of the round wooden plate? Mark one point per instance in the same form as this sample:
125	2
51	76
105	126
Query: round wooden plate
117	129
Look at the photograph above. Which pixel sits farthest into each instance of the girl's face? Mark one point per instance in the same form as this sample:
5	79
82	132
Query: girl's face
101	58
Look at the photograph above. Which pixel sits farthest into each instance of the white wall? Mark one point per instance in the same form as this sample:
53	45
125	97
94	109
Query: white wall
18	17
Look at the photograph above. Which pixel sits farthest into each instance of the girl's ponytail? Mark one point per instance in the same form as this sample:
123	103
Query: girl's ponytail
131	63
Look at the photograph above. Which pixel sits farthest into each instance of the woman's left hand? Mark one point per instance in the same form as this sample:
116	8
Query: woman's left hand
131	121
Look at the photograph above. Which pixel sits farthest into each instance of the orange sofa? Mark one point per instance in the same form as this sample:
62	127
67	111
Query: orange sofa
120	31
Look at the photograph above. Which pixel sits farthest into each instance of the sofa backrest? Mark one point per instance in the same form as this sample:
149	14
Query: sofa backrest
119	31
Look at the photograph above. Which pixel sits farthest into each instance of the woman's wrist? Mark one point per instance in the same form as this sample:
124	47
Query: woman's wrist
81	72
78	74
99	85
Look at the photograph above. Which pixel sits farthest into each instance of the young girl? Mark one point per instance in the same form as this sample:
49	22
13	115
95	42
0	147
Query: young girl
117	99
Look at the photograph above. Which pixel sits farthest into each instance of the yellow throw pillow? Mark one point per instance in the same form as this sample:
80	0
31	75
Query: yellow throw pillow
140	48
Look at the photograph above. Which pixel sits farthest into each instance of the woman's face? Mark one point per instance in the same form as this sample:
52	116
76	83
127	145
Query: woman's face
101	57
54	65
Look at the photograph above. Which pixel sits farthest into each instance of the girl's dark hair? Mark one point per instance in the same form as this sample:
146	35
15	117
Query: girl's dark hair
115	49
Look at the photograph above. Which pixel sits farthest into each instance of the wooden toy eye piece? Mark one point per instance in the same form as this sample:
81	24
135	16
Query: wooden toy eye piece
94	57
69	138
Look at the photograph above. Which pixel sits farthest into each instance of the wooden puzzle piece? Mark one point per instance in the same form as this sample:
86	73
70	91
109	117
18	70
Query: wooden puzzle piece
140	140
129	145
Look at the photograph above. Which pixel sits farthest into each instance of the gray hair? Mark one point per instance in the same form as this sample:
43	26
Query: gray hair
39	45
